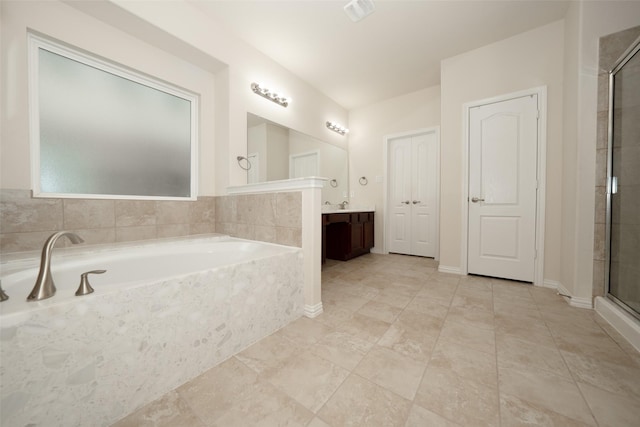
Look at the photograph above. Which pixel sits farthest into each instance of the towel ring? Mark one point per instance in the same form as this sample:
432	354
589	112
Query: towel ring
240	159
363	180
333	183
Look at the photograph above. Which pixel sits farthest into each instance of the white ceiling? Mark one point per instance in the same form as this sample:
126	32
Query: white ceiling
394	51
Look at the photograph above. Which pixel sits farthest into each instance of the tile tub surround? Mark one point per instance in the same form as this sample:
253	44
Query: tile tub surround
92	361
400	344
26	222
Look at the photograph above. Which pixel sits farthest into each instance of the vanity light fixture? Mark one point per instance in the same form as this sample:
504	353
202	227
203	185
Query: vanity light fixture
271	96
337	128
357	10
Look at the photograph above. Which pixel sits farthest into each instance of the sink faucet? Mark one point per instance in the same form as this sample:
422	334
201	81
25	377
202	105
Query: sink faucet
343	205
44	287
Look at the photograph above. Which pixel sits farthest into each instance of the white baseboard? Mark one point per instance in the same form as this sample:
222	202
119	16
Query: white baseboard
578	302
553	284
312	311
450	270
624	323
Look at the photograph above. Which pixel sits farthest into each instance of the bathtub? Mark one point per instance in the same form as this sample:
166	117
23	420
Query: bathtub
163	313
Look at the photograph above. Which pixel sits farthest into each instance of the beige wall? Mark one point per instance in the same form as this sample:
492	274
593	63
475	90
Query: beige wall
521	62
367	128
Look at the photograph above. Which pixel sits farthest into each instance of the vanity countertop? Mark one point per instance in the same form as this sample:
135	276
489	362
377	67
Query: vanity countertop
330	209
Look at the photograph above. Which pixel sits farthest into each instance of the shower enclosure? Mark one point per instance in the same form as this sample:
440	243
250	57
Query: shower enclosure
623	192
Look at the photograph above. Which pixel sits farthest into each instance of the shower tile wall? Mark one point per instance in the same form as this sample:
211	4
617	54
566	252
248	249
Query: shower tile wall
611	48
25	222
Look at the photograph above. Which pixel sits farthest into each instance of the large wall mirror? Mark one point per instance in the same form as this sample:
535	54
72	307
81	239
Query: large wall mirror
276	152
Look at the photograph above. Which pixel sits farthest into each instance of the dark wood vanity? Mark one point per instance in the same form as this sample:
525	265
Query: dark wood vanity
346	235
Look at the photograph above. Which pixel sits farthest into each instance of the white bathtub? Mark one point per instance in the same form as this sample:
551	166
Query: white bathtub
164	312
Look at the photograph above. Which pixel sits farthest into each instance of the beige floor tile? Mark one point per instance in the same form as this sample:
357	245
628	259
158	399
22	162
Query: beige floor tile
472	316
441	291
343	349
361	403
420	417
611	410
392	298
600	347
269	353
309	379
413	334
525	330
343	300
516	313
168	411
334	317
380	311
393	371
265	406
515	412
305	331
431	306
465	362
317	422
472	302
614	377
452	279
214	392
550	391
467	402
364	327
516	353
480	339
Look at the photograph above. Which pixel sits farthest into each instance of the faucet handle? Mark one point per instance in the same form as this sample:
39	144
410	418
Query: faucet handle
3	294
85	288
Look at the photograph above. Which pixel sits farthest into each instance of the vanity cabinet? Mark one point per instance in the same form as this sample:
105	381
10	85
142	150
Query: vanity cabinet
346	235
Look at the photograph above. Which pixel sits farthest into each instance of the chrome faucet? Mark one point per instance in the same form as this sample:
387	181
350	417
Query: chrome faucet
343	205
44	287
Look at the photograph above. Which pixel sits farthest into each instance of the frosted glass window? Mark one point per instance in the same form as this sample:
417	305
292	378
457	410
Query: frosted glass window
104	131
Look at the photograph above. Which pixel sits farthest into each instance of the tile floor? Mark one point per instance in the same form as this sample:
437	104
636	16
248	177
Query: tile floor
400	344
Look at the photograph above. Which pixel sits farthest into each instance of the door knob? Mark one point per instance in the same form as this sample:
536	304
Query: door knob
415	202
476	200
406	202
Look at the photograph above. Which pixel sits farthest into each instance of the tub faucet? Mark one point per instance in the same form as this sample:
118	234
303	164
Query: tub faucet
343	205
44	287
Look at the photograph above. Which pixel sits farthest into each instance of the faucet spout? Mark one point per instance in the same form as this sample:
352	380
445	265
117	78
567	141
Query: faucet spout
44	286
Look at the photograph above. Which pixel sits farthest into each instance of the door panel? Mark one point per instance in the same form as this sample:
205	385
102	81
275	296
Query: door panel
503	140
413	194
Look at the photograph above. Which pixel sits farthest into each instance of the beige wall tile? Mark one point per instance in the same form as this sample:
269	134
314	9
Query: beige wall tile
229	228
135	212
245	231
142	232
226	209
172	230
202	228
265	233
95	236
172	212
257	209
20	213
83	213
21	242
289	236
289	209
203	210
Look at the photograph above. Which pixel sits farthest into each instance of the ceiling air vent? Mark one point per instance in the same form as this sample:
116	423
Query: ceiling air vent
359	9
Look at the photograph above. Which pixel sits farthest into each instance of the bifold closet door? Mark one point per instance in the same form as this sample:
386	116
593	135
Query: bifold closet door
412	194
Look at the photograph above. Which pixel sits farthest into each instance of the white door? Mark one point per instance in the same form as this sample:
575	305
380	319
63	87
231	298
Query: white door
304	165
412	198
503	147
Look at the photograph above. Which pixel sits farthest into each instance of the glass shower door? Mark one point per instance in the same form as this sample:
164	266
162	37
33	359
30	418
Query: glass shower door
624	183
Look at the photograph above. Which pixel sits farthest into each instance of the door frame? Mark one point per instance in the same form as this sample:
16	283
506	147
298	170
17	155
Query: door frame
385	183
541	91
294	156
